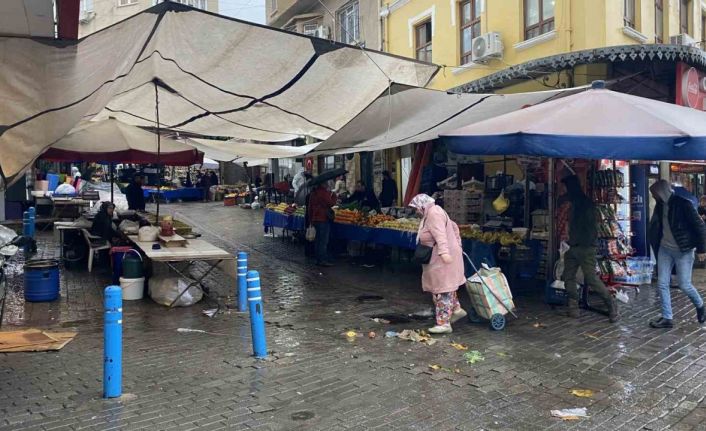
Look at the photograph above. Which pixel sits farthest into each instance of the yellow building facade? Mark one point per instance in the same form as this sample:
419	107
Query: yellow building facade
442	31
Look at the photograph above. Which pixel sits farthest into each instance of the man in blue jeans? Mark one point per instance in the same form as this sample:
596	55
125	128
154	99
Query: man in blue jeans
676	231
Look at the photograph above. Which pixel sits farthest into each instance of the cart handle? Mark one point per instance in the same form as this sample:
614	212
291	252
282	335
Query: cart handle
488	287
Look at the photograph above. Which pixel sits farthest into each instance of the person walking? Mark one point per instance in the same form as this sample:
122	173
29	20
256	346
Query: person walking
388	195
444	273
135	195
321	200
583	233
675	232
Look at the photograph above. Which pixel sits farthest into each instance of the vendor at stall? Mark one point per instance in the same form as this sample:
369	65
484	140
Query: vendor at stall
388	195
103	225
134	194
363	198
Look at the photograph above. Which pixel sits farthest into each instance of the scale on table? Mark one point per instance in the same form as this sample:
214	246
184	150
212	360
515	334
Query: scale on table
498	224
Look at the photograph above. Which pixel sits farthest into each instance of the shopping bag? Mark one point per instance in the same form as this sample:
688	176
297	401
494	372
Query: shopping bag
490	292
559	267
310	233
501	204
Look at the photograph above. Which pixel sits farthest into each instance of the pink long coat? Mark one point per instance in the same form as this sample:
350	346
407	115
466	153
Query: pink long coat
442	233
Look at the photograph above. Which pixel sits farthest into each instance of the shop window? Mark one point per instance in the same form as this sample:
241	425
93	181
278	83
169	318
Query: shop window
629	15
659	21
86	6
423	38
470	27
347	19
126	2
539	17
684	6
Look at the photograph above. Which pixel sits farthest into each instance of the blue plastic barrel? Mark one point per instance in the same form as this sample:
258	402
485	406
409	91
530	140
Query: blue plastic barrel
41	280
53	180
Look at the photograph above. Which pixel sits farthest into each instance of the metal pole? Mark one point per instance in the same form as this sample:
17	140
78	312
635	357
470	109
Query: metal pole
257	317
527	200
112	180
552	225
159	148
113	342
242	281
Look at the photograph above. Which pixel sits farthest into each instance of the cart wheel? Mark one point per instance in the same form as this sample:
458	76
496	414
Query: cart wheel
473	317
497	322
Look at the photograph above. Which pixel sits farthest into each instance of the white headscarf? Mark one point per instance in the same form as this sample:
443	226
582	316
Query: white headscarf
421	202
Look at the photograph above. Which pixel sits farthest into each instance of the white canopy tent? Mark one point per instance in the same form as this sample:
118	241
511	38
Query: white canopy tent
408	115
236	150
209	74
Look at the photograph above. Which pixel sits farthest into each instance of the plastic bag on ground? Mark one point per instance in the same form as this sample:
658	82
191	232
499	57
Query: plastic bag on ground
164	290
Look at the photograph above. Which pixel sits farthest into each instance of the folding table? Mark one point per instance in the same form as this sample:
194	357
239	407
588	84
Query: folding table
180	259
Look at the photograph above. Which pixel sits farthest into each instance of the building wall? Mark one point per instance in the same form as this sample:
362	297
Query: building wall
579	25
107	12
292	14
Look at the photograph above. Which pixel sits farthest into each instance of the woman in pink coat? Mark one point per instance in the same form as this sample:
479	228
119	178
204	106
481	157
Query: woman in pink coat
444	273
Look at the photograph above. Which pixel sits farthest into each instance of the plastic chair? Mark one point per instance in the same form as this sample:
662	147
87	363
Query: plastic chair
95	243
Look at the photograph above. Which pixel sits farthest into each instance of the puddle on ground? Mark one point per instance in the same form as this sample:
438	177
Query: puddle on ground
399	318
369	298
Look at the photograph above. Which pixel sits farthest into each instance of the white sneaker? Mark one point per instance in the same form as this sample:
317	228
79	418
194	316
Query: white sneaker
458	315
441	329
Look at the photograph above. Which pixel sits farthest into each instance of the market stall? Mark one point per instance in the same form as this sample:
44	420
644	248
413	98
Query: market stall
565	134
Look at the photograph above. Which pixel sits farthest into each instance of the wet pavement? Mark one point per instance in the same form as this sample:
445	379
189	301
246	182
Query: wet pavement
318	379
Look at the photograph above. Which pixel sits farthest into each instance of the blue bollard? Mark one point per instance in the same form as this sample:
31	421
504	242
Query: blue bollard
257	315
26	223
242	283
113	343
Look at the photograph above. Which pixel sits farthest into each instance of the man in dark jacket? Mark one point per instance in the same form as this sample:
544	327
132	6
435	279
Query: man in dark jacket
388	195
134	194
676	230
321	200
583	232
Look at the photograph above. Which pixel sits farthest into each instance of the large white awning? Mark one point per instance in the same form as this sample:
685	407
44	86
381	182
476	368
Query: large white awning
214	75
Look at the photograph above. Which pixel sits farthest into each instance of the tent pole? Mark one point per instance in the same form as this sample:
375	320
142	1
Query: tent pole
112	181
159	149
552	225
527	200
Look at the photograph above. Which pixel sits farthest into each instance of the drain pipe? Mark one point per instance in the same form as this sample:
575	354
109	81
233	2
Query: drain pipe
383	13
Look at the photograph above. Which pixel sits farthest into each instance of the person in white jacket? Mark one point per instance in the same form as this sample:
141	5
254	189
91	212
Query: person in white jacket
299	180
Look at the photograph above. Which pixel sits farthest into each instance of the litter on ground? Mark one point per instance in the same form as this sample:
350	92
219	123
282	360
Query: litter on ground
34	340
473	356
582	393
570	414
417	336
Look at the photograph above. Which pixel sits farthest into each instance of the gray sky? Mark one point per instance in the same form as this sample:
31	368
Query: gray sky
249	10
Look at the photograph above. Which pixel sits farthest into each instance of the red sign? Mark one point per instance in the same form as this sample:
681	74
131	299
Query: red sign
309	164
691	87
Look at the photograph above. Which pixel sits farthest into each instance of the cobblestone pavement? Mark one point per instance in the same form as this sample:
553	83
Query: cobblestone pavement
317	379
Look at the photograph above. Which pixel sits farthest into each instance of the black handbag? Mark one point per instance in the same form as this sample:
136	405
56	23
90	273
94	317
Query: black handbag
422	254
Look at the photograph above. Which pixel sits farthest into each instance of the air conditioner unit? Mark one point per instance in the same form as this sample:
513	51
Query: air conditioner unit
486	47
323	32
86	16
682	39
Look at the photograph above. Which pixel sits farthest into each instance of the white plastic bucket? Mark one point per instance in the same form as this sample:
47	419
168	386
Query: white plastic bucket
133	288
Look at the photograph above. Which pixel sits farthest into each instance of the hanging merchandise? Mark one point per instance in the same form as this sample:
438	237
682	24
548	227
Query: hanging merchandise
501	204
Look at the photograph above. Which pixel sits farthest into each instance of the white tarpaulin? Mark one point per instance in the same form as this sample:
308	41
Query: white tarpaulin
233	150
111	141
408	115
214	75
